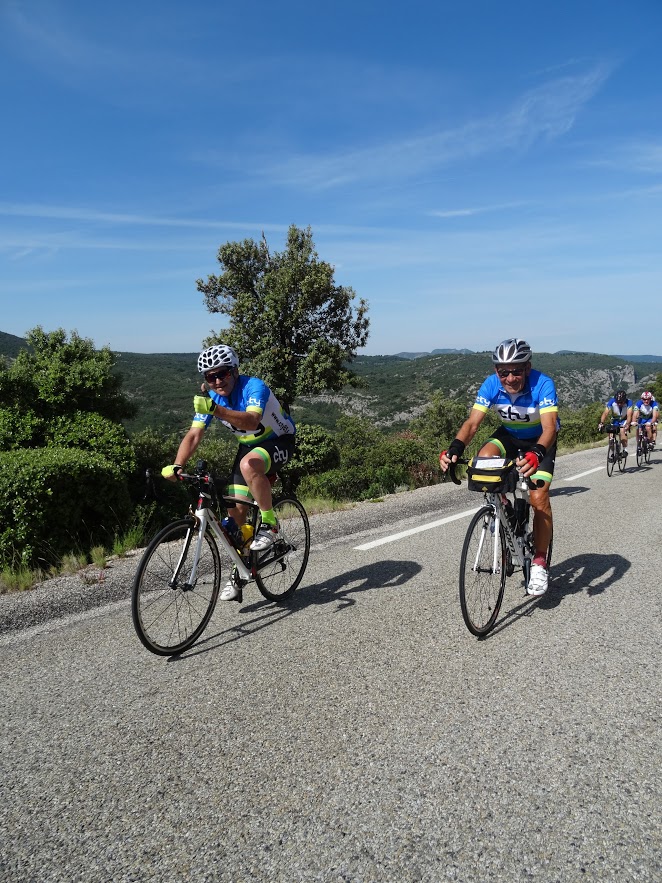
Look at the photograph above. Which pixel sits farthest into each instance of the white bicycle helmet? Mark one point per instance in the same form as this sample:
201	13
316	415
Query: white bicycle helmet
512	352
217	356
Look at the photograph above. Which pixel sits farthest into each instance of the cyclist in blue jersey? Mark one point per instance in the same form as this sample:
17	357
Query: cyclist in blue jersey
527	404
646	412
619	408
248	408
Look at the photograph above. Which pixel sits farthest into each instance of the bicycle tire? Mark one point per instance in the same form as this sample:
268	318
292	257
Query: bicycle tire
647	451
641	451
611	455
621	459
169	618
279	570
482	588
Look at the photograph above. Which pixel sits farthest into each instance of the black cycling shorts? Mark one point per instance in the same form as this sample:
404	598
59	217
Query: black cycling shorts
509	446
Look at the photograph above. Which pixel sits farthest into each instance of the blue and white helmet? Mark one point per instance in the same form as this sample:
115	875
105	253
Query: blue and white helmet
217	356
512	352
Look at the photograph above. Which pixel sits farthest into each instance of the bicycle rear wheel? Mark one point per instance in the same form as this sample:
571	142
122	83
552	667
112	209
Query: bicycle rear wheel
611	455
482	572
279	570
170	612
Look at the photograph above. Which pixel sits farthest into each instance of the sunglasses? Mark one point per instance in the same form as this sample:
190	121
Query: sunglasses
505	372
213	376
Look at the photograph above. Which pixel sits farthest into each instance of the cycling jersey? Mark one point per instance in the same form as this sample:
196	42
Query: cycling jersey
645	410
520	413
253	395
618	412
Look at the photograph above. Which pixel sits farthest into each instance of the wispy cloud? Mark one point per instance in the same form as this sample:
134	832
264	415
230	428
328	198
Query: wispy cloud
475	210
644	156
546	112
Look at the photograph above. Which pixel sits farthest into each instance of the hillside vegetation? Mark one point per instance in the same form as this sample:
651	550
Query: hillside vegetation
394	390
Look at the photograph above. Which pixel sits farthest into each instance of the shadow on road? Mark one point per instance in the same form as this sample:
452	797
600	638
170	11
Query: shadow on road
590	573
567	491
338	590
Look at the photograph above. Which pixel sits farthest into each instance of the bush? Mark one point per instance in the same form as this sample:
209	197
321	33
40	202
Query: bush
88	431
315	451
54	501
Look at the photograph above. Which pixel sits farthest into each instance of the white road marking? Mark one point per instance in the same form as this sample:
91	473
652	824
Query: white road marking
582	474
407	533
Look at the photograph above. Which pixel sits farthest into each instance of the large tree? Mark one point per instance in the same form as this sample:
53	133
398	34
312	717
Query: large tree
290	323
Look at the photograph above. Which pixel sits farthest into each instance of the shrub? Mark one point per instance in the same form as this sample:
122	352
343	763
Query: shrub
54	501
88	431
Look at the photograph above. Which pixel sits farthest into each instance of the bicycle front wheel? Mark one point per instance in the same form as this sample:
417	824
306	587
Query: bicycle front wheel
641	451
279	570
482	572
170	605
611	455
647	450
622	458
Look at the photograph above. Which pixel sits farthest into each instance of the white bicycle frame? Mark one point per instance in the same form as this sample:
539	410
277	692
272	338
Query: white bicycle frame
205	518
515	544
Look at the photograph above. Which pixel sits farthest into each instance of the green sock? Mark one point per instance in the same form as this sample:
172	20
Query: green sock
268	517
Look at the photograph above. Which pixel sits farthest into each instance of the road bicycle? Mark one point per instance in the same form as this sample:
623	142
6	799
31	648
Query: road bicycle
616	454
644	445
499	540
178	579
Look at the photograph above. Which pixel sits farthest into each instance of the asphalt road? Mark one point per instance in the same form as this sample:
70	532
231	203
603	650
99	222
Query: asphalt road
361	733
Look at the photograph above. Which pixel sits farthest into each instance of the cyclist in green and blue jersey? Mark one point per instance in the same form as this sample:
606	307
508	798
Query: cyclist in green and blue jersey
248	408
526	402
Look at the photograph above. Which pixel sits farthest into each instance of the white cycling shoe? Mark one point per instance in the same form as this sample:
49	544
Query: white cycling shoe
538	581
266	537
232	591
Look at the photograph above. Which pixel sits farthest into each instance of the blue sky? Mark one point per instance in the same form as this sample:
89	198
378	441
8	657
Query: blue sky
475	170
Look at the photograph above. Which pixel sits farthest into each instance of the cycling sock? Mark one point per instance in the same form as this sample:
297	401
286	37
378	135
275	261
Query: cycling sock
268	517
541	559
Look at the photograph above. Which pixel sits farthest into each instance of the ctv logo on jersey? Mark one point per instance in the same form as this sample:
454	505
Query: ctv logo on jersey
253	400
545	402
511	413
481	400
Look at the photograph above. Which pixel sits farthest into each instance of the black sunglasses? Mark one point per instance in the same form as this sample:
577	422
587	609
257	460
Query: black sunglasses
504	372
213	376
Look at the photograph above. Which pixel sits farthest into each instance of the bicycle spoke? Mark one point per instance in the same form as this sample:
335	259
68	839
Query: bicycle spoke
169	613
482	572
280	569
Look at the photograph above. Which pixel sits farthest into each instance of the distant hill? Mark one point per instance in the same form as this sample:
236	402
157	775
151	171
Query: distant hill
394	389
433	353
10	345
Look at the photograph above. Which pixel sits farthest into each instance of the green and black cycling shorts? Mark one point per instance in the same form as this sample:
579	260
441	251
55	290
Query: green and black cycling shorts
276	452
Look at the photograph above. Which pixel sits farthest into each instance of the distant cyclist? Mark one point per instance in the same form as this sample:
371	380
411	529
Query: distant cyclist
645	413
247	407
527	404
619	410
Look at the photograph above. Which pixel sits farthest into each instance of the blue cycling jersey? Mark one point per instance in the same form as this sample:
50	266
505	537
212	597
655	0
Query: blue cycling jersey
646	411
618	412
520	413
252	394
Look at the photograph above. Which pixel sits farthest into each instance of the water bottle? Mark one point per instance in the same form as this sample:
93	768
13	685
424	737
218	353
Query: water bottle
522	487
246	531
233	531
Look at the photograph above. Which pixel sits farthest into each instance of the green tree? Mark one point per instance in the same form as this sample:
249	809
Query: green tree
66	459
656	388
57	377
290	323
